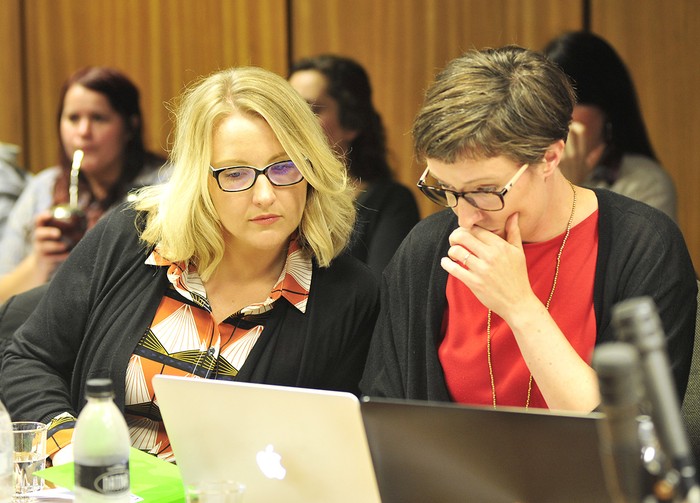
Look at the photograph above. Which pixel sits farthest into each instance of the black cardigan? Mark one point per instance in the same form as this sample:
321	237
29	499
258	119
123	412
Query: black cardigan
103	298
641	251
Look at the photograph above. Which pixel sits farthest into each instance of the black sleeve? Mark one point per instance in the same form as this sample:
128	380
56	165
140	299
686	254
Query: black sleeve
353	308
384	375
672	285
647	256
398	215
403	360
38	365
15	311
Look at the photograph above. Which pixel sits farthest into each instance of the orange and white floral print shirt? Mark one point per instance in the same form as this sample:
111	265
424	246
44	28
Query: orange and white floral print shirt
185	340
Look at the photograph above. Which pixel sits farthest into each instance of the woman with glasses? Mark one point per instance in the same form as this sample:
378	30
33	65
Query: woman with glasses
501	299
232	270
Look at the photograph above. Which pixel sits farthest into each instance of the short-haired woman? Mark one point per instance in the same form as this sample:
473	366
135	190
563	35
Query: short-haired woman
501	299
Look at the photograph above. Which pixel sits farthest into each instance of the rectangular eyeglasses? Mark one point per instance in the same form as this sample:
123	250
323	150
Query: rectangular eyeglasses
486	200
240	178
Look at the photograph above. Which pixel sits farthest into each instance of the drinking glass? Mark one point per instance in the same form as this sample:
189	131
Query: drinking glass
29	457
215	492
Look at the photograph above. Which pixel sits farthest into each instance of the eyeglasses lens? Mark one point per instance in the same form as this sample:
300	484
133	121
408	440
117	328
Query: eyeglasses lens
242	178
284	173
236	178
487	201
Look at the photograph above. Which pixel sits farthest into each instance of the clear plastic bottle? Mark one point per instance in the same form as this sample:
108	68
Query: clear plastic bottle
6	463
101	448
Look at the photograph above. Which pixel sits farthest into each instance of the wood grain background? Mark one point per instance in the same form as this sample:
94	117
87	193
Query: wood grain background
165	44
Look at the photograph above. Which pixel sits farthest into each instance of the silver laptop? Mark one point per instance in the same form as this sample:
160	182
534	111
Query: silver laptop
285	444
440	452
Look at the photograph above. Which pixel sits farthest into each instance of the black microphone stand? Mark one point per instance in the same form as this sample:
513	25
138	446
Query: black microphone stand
637	322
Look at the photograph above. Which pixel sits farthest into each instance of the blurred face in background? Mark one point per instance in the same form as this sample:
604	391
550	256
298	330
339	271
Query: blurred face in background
88	122
312	85
593	120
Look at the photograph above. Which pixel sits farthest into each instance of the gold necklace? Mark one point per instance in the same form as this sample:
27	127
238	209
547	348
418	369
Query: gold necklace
549	300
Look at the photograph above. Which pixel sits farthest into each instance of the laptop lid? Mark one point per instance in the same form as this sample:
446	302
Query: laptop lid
285	444
441	452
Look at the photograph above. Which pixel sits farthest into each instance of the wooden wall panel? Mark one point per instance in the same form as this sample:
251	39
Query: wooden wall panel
11	95
164	44
161	44
659	42
403	43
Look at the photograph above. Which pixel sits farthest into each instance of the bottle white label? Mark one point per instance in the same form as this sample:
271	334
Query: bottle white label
112	479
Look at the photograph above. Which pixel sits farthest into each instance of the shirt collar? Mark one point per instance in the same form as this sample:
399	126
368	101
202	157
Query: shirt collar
293	284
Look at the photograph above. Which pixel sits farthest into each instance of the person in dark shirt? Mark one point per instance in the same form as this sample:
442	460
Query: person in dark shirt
501	299
233	269
339	92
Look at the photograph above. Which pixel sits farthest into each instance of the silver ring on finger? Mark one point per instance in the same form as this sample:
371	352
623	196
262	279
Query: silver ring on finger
466	257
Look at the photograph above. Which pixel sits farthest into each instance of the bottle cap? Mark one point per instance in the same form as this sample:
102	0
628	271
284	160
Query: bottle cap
101	387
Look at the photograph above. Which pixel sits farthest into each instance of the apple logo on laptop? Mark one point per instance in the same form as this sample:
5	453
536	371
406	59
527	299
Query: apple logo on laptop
270	463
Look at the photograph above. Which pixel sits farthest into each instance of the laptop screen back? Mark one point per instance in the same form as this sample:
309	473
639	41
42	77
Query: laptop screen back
440	452
284	444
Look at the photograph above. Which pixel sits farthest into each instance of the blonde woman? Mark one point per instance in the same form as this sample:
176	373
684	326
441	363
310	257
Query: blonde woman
232	270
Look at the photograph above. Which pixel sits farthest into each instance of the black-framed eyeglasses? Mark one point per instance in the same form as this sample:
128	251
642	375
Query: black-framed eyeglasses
240	178
486	200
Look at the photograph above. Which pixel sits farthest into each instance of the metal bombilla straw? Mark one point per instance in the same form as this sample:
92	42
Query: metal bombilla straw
74	172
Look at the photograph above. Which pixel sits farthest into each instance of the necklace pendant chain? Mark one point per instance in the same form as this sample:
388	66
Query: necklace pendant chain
549	300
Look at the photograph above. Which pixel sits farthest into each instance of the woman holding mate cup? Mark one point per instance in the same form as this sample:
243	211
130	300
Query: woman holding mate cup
99	115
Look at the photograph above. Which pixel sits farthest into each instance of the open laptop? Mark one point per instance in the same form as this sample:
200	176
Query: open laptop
440	452
285	444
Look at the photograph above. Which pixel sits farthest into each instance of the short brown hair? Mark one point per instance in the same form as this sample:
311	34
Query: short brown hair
508	101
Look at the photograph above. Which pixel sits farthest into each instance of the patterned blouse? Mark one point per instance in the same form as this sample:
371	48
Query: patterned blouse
185	340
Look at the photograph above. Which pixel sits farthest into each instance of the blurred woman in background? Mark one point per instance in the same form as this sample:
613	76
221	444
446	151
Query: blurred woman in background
608	145
339	92
100	114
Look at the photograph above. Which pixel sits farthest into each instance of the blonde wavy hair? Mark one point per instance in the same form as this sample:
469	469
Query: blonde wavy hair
179	215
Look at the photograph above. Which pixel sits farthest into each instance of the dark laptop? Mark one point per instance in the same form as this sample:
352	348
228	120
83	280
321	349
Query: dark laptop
442	452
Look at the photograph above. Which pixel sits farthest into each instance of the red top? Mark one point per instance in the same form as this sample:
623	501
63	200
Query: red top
462	352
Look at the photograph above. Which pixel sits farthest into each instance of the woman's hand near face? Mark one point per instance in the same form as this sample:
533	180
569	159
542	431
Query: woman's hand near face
495	269
496	272
573	163
579	158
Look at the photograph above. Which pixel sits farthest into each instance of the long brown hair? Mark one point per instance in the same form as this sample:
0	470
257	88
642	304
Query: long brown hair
123	97
349	86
